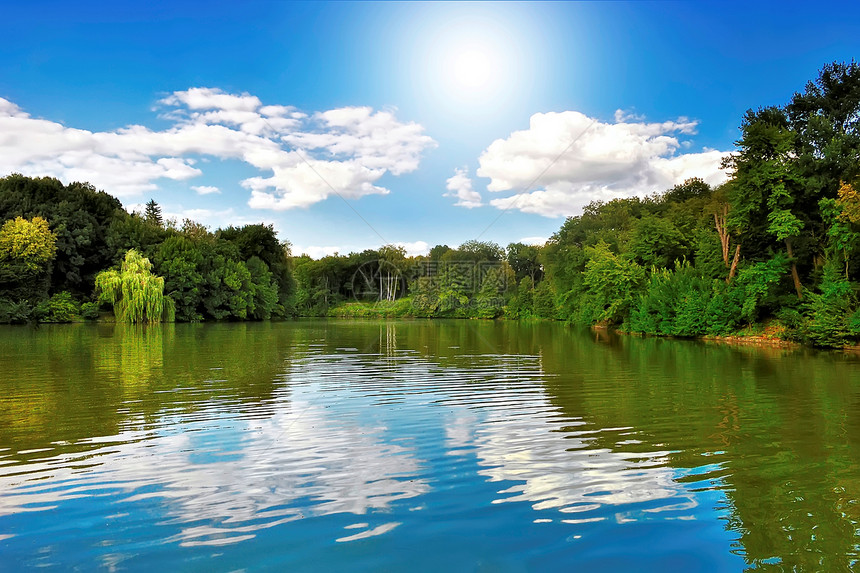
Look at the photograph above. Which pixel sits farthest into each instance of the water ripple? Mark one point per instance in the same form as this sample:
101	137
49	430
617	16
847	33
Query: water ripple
298	449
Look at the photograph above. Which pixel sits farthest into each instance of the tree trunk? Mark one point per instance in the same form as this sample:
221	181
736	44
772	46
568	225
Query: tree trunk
797	286
734	263
723	232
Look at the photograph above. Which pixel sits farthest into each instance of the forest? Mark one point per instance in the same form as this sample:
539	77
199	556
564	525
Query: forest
775	251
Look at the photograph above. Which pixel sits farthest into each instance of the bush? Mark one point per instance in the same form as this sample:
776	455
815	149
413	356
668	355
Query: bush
827	312
684	303
90	310
15	312
399	308
59	308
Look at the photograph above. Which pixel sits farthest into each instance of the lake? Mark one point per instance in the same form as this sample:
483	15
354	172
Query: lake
421	446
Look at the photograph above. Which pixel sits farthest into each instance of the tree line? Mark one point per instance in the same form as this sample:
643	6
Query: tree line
67	251
773	250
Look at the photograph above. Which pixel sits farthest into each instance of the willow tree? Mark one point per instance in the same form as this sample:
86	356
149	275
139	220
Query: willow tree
136	294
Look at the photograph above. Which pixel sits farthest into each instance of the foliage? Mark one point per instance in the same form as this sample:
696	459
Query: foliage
238	273
79	216
31	244
760	282
15	311
59	308
611	282
152	214
656	242
684	303
136	294
90	310
828	312
27	248
490	300
425	297
400	308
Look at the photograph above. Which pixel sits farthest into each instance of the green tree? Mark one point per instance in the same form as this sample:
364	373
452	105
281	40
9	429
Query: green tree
766	181
179	260
525	261
136	294
264	289
152	214
27	248
829	310
656	242
611	282
261	241
842	216
28	243
437	252
490	300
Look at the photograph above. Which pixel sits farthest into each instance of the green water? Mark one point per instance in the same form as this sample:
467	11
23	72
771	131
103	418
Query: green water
421	446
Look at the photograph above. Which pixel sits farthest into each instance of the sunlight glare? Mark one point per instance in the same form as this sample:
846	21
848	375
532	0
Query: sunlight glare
470	63
473	69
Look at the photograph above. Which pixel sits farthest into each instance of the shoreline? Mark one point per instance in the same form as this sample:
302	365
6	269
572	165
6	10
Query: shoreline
755	340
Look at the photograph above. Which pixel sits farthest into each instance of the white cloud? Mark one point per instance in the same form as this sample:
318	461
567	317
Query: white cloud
459	185
303	158
213	98
415	248
376	139
205	189
280	468
570	159
540	241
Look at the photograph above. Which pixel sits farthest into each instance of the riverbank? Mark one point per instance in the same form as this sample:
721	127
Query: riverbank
770	334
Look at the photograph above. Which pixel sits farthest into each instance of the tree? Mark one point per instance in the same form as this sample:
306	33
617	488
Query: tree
264	288
765	180
479	252
656	242
27	248
524	259
136	294
179	260
78	214
152	215
842	216
391	261
262	241
30	243
437	252
611	281
719	206
690	189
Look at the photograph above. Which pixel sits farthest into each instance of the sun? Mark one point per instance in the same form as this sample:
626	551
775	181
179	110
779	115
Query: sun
468	62
472	69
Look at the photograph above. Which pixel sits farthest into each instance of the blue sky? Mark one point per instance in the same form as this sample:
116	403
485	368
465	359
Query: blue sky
431	120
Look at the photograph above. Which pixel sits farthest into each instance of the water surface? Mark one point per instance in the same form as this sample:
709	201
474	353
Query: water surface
421	446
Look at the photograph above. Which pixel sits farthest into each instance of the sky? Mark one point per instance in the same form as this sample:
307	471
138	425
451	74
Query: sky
349	125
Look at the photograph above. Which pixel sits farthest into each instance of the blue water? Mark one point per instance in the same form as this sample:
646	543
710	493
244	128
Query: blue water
460	446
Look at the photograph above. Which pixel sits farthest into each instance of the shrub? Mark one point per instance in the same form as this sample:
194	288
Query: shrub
90	310
59	308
